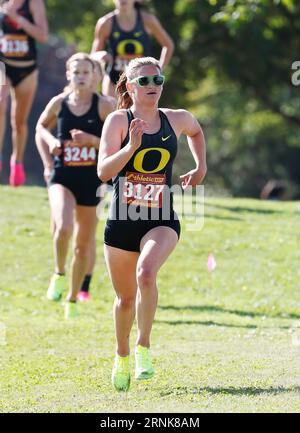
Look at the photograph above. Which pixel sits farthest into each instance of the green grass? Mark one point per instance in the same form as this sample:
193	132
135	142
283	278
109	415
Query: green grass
225	341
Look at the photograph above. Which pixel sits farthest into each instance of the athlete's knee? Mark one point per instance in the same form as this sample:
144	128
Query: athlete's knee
126	302
63	231
146	276
82	251
3	105
19	125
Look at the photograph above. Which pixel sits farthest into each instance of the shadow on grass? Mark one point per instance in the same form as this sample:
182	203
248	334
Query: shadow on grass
216	217
216	309
247	209
248	390
212	323
203	323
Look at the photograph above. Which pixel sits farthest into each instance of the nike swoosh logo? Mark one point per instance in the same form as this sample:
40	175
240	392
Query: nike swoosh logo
91	120
165	138
137	34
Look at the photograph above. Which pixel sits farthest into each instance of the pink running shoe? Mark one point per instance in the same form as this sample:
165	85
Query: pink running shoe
17	173
83	296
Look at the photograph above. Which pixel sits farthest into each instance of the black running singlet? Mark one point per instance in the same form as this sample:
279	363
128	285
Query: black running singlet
125	46
72	155
15	43
144	180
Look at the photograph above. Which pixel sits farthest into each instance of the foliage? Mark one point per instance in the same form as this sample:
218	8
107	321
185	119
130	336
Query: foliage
240	132
243	50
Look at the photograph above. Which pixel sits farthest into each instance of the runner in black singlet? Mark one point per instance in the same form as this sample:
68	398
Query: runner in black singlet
138	148
73	184
47	158
126	32
22	23
152	162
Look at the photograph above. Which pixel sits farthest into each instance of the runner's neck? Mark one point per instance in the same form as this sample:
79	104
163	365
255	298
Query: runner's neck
80	97
126	17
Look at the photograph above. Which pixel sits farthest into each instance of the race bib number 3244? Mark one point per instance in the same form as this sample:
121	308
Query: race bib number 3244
76	156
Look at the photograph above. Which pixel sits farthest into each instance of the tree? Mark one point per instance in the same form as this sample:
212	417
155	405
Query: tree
232	66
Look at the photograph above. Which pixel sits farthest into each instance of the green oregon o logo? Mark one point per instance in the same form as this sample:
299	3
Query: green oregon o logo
139	158
138	47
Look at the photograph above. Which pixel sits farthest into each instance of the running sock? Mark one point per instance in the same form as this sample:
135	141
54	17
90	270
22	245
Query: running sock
86	283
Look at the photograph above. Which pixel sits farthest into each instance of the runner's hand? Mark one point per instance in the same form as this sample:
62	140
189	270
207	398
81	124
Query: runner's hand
10	12
193	177
107	58
55	147
81	138
136	130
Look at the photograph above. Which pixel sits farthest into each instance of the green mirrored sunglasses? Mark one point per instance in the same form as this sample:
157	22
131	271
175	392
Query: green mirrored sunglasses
145	80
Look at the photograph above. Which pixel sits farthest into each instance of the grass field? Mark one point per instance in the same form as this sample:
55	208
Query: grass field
223	341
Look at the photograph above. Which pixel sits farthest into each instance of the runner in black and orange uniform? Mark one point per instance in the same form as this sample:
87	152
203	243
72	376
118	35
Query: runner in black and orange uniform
127	32
22	23
74	183
138	147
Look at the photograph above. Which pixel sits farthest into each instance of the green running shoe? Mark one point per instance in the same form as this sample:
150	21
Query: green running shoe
71	310
120	374
56	287
143	363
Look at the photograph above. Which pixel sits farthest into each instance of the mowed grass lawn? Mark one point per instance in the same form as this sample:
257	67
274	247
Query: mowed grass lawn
223	341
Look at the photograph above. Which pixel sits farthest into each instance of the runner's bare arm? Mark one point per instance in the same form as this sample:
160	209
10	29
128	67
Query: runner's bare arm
44	151
155	28
39	28
102	31
112	158
45	122
189	126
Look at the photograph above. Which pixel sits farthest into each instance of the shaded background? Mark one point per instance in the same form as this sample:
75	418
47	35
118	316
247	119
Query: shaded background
232	67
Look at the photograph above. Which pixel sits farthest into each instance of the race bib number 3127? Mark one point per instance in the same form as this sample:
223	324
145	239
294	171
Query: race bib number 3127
143	189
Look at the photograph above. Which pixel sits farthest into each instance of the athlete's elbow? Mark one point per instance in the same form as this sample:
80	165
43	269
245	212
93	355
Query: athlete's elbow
38	128
43	37
170	46
101	174
104	179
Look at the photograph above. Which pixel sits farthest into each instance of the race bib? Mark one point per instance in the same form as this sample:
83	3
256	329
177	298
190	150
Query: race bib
75	156
120	64
14	45
122	61
143	189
